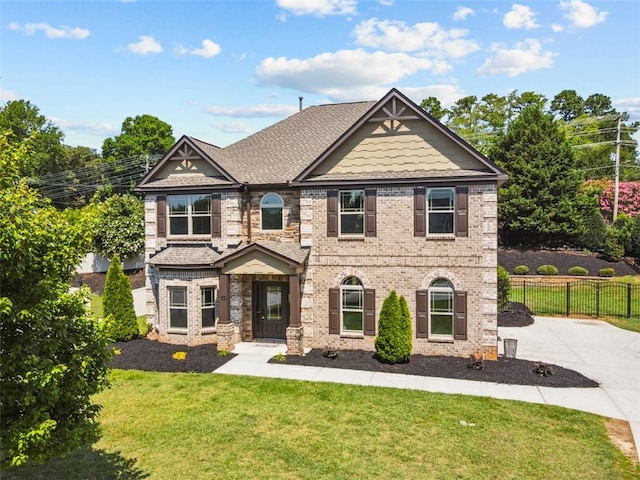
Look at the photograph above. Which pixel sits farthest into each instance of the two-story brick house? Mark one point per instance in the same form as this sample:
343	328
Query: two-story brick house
300	231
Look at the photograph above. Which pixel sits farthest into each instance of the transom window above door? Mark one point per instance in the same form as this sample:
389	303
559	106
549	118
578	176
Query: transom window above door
189	214
271	209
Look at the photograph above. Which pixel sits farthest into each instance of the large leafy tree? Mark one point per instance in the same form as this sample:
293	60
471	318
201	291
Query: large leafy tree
541	203
53	355
119	226
24	121
141	135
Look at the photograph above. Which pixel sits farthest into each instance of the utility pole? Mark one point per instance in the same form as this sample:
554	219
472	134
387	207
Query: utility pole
617	179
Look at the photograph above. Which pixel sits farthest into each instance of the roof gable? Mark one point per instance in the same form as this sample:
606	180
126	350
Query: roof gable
396	139
190	164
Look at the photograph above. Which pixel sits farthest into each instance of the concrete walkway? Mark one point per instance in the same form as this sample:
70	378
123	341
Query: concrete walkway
594	348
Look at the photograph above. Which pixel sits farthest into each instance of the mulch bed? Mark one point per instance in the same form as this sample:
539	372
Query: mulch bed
562	259
154	356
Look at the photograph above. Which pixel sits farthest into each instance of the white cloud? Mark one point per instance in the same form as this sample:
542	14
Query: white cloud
6	95
91	128
253	111
386	3
146	45
332	73
556	27
319	8
209	49
520	16
629	105
76	33
446	94
462	13
428	38
581	14
233	127
524	57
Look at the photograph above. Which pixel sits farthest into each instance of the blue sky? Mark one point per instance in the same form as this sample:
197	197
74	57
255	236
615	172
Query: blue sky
220	70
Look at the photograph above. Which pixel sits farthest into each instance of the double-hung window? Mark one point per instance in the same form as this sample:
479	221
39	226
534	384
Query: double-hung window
178	307
271	207
440	210
440	308
352	212
351	293
189	214
208	306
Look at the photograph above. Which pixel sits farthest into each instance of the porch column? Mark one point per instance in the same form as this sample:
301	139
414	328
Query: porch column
294	330
225	329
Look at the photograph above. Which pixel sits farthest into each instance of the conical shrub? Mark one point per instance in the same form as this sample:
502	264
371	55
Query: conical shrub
117	302
393	343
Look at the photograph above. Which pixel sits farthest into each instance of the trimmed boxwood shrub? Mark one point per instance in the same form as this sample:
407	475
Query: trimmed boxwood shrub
547	270
606	272
520	270
393	343
578	271
504	287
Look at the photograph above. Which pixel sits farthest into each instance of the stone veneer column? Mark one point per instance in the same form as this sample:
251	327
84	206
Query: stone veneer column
295	331
225	329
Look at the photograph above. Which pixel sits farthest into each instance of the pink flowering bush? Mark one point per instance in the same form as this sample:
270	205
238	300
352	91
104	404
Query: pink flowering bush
628	196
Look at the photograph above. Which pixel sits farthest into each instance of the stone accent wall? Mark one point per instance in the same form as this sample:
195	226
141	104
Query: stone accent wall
395	259
290	223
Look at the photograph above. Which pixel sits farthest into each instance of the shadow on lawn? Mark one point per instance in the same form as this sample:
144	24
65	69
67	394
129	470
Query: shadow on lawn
82	463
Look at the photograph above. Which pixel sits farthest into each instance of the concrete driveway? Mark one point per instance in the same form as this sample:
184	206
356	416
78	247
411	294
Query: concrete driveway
598	350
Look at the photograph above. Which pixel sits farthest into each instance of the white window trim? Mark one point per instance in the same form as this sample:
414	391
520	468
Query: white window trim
450	290
272	205
170	328
359	288
340	213
212	329
452	211
189	216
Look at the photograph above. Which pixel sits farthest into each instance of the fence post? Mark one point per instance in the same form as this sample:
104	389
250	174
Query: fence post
628	300
598	300
524	293
568	299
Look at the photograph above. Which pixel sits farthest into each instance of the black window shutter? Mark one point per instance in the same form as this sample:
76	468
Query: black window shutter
370	213
332	213
460	316
422	306
161	215
216	215
369	311
419	212
462	217
334	310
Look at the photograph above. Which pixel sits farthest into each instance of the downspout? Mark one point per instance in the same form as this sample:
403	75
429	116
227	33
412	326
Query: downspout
248	201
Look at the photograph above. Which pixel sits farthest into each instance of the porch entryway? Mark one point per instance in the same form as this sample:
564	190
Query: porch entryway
270	306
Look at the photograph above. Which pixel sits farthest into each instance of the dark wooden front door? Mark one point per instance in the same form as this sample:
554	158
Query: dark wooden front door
270	309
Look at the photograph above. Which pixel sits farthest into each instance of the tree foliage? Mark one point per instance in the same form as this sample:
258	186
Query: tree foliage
140	135
54	355
393	343
504	288
119	226
117	302
541	202
46	154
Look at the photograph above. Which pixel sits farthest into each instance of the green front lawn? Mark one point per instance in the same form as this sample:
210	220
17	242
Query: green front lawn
203	426
97	310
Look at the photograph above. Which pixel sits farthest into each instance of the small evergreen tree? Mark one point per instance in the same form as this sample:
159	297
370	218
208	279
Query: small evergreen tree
504	287
117	301
393	343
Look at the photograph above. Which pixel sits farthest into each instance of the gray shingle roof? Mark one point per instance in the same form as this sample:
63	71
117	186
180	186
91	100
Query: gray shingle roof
289	250
289	146
185	256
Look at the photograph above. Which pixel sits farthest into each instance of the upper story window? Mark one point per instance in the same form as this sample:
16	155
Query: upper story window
271	209
352	212
440	209
189	214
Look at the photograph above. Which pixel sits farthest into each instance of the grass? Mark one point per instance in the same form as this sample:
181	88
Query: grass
98	311
197	426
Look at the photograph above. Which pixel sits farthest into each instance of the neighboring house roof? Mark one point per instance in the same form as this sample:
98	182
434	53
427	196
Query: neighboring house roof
307	148
185	256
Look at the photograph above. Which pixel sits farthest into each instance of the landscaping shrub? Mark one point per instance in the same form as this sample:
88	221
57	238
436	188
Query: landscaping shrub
547	270
613	249
117	301
520	270
504	287
606	272
393	343
578	271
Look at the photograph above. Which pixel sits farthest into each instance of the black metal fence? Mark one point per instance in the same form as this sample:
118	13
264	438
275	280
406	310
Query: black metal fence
583	298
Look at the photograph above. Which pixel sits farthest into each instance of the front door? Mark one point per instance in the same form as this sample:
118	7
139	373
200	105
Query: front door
270	309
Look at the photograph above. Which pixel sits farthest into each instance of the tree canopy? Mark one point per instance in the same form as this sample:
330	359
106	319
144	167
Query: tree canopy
140	135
